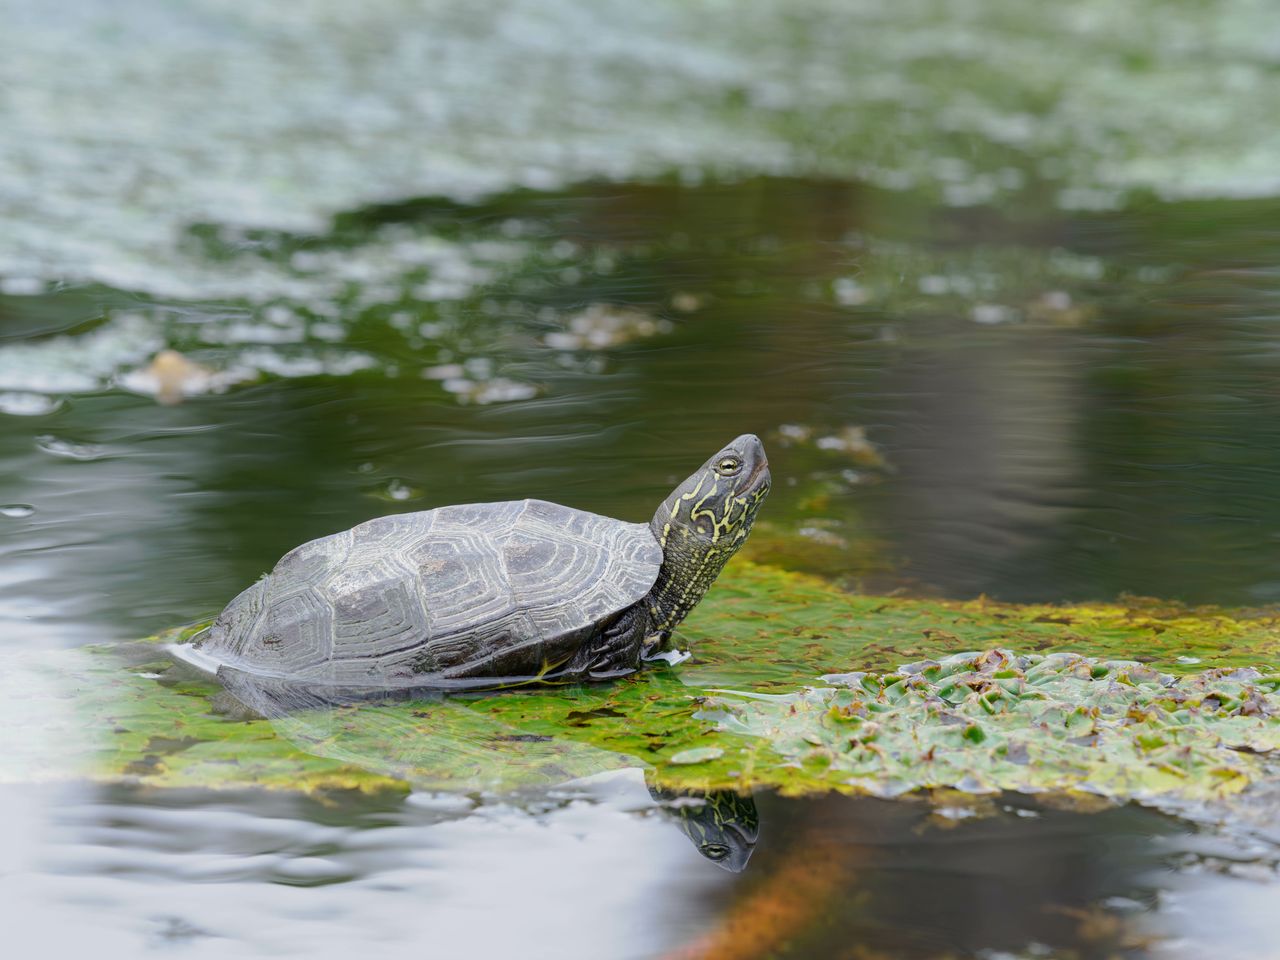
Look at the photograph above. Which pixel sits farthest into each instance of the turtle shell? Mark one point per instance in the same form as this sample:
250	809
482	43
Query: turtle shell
479	590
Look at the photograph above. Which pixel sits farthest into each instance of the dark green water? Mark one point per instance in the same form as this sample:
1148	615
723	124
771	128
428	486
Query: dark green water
1115	430
1117	434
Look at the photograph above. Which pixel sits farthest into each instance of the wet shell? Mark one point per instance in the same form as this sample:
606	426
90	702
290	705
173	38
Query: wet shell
478	590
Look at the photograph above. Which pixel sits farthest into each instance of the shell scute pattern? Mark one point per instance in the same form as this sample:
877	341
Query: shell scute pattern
376	608
240	621
393	533
295	633
512	639
313	560
502	588
460	572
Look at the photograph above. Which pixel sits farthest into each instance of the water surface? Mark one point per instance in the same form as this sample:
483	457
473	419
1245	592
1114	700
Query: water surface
1006	323
1113	431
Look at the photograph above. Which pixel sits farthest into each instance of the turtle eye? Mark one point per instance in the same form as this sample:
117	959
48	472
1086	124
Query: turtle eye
728	466
715	851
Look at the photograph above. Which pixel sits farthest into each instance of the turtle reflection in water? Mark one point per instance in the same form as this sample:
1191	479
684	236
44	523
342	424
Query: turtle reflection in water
437	744
486	594
722	824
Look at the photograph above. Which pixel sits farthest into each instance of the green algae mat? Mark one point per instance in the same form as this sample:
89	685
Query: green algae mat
793	685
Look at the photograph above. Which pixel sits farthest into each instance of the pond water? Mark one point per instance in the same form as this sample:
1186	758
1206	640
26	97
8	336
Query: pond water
596	870
1038	384
1116	431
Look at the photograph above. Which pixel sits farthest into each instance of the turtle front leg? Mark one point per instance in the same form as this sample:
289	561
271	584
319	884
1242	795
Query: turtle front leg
614	650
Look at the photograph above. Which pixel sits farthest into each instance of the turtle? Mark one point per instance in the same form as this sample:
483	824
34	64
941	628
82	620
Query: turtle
485	594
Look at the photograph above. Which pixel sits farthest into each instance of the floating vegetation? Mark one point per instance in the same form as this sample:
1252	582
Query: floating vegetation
80	363
994	721
601	326
849	441
453	294
170	378
496	390
130	349
396	490
696	755
28	404
744	713
904	98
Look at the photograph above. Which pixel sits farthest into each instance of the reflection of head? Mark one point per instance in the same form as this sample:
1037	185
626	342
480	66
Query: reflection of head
722	824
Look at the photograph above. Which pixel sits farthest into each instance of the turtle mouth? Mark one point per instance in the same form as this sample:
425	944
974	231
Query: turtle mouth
752	481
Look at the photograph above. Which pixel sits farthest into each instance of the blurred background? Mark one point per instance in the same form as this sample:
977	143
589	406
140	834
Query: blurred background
997	282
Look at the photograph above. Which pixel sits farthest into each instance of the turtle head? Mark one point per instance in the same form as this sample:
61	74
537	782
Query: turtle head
722	824
719	501
700	526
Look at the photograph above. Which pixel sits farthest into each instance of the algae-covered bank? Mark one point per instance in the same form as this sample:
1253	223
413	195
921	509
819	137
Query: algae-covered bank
995	284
